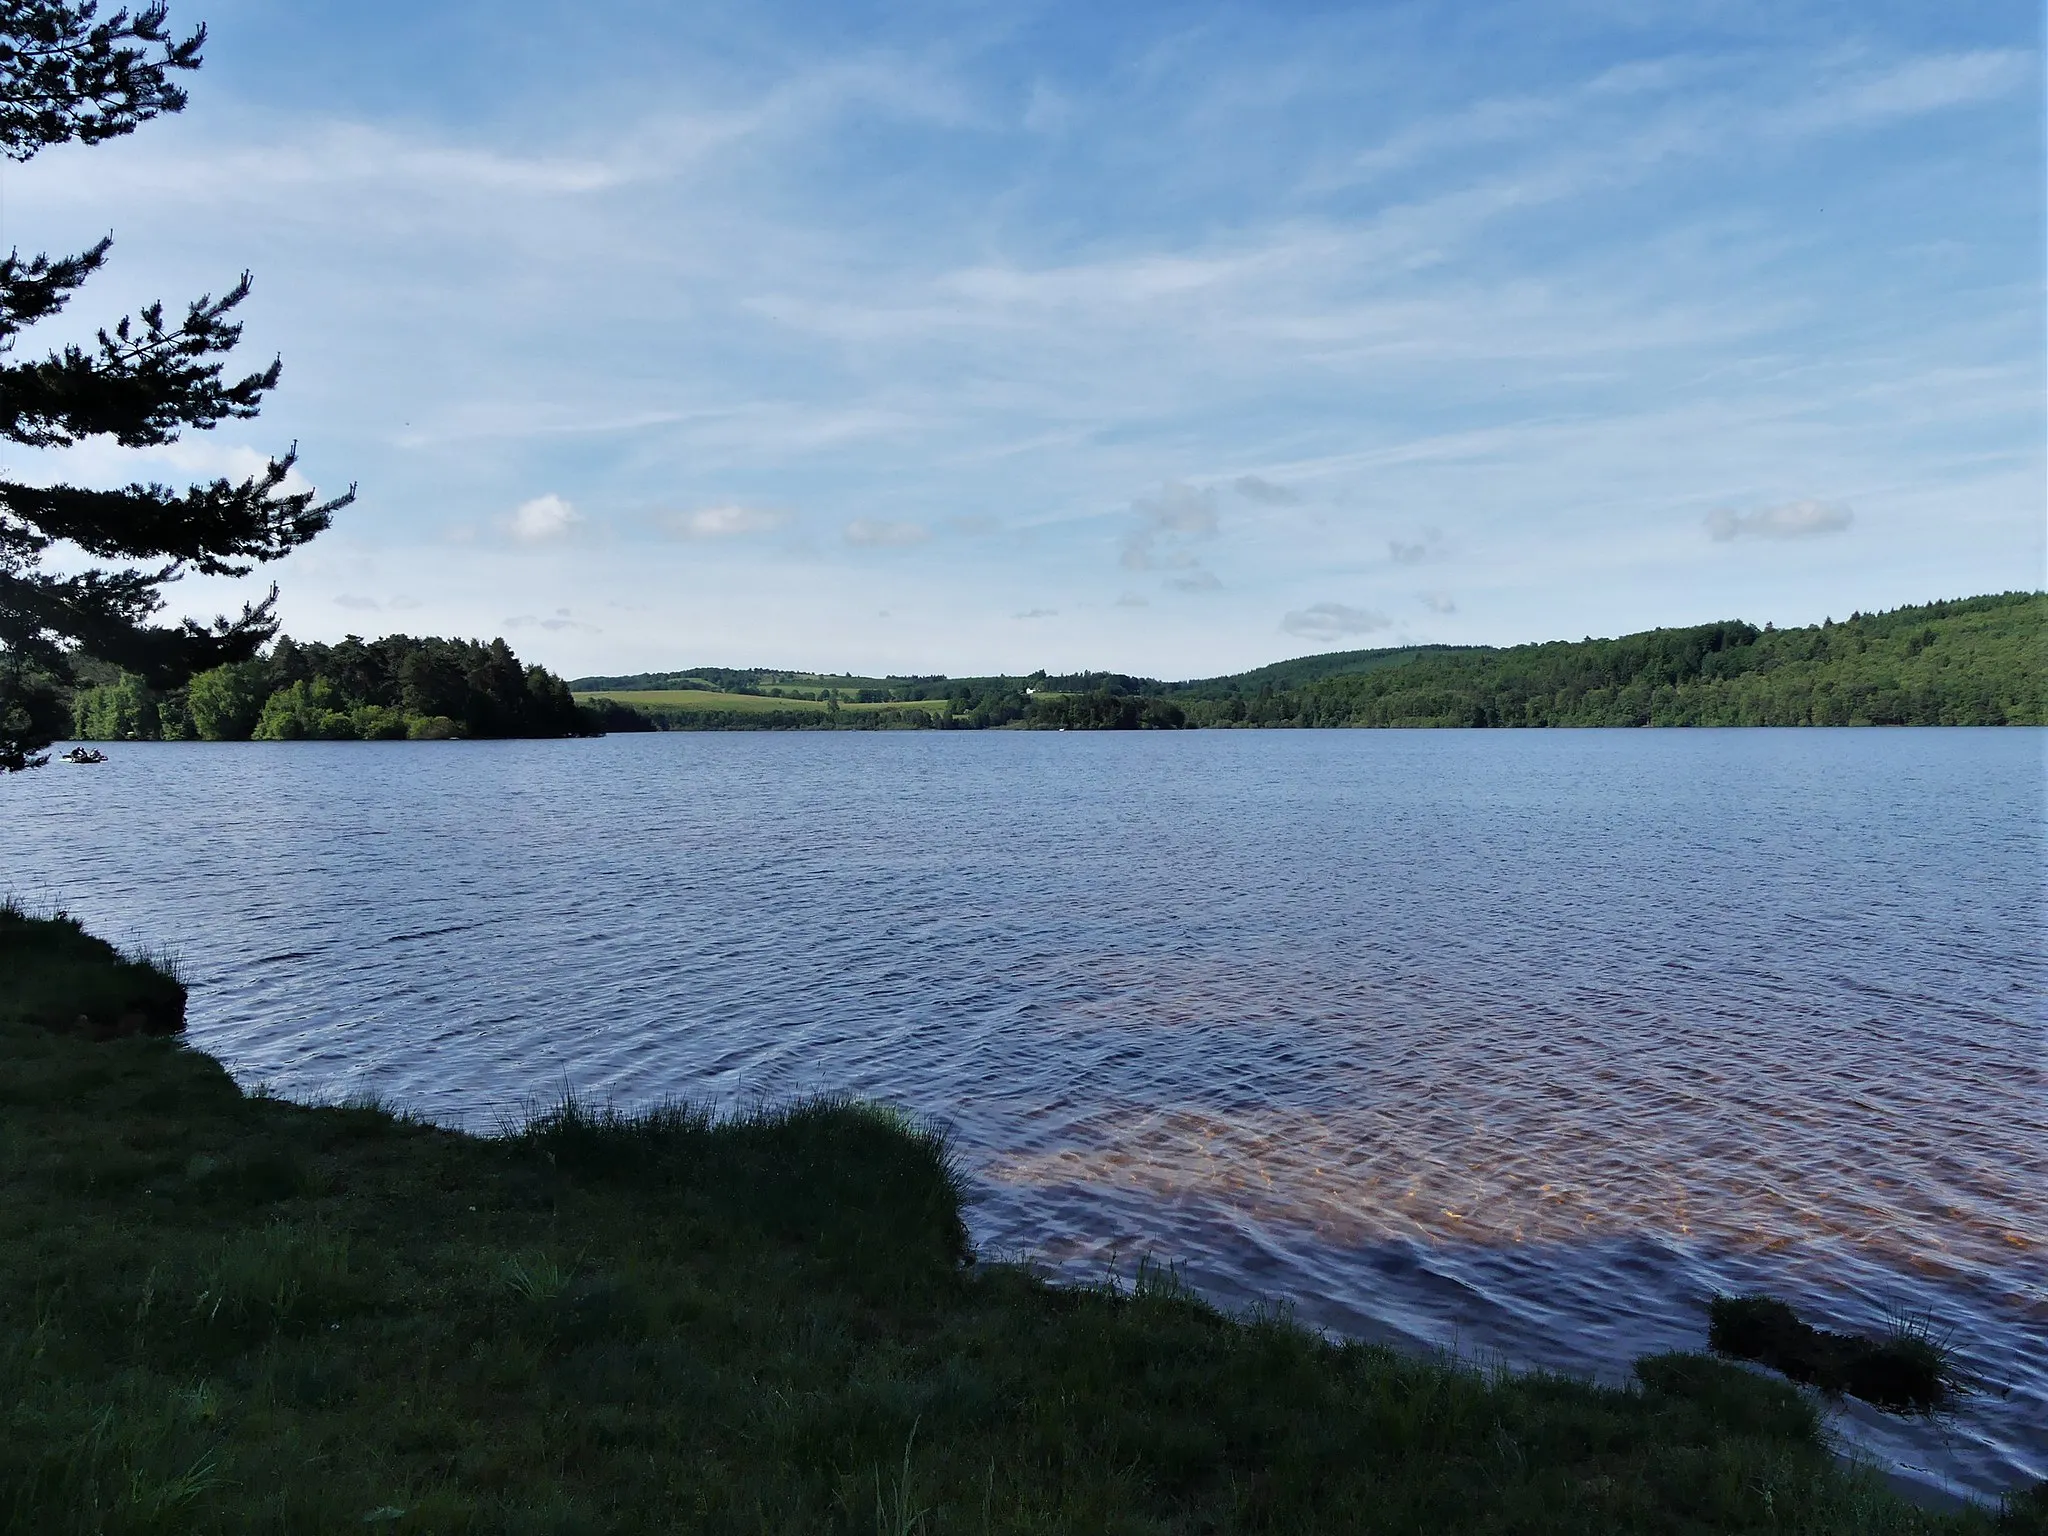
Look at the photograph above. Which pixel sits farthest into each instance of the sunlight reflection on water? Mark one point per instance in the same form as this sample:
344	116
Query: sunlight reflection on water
1519	1043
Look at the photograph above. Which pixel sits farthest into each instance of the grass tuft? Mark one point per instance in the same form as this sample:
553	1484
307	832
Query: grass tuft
1906	1370
536	1280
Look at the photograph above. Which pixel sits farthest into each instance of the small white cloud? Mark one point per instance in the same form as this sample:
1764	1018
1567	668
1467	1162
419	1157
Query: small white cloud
1258	488
726	522
1793	520
1333	621
1197	580
1036	613
543	518
884	535
1132	600
1437	602
363	604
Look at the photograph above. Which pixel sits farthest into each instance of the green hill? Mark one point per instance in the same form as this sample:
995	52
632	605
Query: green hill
1304	670
1979	661
1973	661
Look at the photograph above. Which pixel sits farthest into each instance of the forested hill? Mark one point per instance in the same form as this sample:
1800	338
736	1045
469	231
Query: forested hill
1979	661
1303	670
1974	661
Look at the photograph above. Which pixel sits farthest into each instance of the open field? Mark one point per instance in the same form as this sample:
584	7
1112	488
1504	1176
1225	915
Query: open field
685	700
223	1312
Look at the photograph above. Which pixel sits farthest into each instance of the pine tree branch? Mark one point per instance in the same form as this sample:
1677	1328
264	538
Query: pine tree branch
142	386
65	75
36	289
222	529
100	614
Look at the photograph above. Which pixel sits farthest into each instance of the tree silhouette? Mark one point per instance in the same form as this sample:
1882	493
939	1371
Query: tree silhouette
67	75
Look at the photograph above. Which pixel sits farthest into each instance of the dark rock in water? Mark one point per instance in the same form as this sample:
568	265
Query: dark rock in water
1903	1372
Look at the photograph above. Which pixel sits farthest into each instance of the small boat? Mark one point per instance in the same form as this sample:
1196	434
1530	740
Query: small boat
83	755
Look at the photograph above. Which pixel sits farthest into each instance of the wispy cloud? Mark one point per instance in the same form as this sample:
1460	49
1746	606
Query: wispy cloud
1516	295
1258	488
1415	551
1333	621
1036	613
1793	520
726	521
1912	88
1166	526
558	622
873	533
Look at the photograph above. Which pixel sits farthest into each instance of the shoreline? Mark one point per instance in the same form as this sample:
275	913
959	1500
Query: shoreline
577	1314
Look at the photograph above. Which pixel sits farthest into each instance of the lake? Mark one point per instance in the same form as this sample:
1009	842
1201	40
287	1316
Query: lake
1520	1044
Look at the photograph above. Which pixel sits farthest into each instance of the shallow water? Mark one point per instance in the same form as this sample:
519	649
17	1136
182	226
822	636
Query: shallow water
1518	1043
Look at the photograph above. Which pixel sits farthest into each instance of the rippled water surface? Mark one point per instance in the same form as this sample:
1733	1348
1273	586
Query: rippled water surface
1521	1043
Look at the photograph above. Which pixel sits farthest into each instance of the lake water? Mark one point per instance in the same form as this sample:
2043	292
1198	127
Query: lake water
1516	1043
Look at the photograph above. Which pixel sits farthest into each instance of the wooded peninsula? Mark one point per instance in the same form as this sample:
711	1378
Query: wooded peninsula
396	688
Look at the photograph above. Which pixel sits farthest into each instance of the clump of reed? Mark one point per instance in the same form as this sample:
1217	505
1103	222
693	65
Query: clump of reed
1904	1370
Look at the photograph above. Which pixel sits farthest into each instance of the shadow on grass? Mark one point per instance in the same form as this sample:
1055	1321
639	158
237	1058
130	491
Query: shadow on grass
61	977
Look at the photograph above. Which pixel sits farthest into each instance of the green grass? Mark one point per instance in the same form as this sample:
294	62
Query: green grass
59	976
225	1312
689	700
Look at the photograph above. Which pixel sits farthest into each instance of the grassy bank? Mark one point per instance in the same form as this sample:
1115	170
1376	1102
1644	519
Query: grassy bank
224	1312
61	977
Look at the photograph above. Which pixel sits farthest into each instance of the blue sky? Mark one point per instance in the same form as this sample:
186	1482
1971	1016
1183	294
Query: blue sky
1170	339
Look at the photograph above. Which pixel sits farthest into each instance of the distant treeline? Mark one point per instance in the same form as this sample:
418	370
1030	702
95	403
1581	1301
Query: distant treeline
360	690
1974	661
